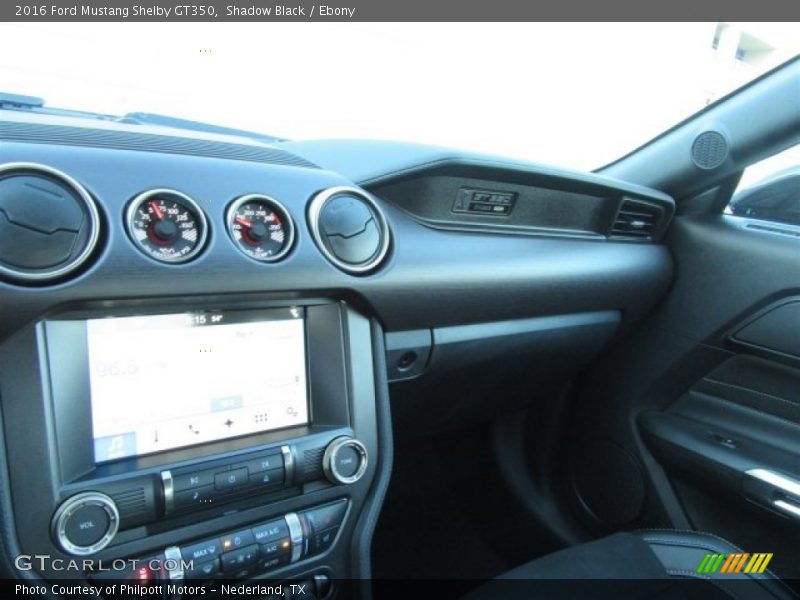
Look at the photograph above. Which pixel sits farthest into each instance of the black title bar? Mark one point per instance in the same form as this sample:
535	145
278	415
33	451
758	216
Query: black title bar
402	10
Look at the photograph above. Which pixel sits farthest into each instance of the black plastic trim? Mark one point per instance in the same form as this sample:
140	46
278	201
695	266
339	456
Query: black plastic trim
547	202
365	527
775	329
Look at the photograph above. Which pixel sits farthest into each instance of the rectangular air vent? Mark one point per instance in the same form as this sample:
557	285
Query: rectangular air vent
636	219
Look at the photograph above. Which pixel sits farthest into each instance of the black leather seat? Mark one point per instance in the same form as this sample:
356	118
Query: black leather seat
658	563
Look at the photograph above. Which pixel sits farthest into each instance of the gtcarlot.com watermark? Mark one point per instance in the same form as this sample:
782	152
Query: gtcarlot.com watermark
44	562
149	571
123	567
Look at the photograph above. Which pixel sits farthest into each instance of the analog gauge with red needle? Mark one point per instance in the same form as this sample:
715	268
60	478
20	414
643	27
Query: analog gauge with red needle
260	227
166	225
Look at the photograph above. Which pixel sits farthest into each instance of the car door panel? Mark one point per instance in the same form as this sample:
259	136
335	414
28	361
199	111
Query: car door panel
707	391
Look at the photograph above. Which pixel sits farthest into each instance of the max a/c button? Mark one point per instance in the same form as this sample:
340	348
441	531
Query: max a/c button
270	532
230	479
202	551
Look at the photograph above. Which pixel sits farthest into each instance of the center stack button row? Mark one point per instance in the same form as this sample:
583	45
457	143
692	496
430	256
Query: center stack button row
196	487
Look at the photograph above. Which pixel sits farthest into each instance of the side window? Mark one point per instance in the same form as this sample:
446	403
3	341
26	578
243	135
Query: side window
770	189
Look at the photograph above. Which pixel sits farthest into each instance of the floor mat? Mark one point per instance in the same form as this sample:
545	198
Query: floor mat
441	518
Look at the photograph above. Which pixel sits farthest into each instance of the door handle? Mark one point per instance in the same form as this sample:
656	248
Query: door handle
775	490
787	507
785	484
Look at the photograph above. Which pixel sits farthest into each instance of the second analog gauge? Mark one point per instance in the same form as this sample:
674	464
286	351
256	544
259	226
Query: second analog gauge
261	227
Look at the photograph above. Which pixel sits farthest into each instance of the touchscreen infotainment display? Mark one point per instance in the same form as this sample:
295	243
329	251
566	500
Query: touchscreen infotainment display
167	381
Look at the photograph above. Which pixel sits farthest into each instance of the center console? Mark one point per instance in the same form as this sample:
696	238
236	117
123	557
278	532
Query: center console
195	443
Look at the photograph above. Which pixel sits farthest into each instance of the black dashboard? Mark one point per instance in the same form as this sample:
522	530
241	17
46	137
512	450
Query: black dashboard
397	262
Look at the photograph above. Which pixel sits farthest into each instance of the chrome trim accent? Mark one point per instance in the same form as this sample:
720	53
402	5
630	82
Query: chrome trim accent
784	484
169	491
134	205
94	218
314	210
287	218
787	508
329	460
174	553
288	464
295	534
68	508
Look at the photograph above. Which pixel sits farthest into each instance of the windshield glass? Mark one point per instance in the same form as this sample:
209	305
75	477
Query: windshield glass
575	95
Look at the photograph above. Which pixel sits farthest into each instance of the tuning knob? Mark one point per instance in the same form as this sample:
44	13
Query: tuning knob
345	460
85	523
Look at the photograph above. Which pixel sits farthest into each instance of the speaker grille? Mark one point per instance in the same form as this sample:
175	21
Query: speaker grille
609	483
709	150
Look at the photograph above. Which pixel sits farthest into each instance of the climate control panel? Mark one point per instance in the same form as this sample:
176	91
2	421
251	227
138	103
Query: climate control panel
242	554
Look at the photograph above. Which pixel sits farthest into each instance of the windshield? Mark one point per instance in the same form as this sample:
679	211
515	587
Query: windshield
575	95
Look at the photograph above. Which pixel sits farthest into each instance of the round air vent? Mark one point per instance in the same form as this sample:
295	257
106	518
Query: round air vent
349	229
49	223
709	150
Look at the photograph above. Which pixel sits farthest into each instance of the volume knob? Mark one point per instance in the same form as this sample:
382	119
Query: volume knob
345	460
85	523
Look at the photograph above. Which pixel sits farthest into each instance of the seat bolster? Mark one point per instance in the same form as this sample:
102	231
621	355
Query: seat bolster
681	552
645	564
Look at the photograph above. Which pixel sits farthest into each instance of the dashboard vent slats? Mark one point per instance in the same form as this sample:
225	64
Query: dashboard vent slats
636	219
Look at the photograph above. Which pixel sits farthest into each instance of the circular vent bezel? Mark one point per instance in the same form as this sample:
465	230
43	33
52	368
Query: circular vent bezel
314	210
94	224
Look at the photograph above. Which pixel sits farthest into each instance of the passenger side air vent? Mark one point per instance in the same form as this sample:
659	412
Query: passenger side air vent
49	224
636	219
349	229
